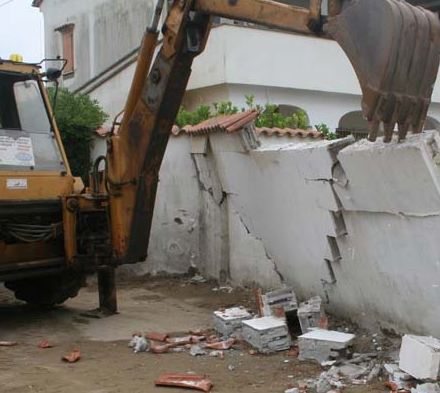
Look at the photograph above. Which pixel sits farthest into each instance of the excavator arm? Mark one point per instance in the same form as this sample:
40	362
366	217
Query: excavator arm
394	49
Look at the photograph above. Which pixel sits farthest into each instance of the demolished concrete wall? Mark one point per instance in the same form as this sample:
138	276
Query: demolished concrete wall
355	223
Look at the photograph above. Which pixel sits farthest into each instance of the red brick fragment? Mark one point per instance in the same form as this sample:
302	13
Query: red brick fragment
72	357
222	345
188	381
293	352
155	336
160	348
44	344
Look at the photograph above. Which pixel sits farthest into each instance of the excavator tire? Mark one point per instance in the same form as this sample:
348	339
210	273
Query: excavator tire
47	291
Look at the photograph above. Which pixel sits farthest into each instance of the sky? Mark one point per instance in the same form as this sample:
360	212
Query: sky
21	30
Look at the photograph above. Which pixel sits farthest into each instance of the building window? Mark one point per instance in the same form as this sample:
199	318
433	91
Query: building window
67	43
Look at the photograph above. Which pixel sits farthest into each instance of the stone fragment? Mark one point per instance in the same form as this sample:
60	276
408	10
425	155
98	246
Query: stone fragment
420	356
426	388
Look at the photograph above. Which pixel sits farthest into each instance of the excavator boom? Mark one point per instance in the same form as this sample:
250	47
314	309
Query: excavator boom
393	47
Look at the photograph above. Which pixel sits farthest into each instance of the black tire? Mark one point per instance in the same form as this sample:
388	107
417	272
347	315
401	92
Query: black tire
47	291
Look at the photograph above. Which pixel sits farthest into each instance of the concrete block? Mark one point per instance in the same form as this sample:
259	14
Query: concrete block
323	345
378	172
267	334
311	314
281	299
229	320
426	388
420	356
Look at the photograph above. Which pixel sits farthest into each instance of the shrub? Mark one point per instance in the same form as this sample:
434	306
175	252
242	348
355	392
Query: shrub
77	116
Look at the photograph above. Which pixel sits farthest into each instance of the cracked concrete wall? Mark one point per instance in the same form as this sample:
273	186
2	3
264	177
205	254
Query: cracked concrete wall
390	265
356	223
174	242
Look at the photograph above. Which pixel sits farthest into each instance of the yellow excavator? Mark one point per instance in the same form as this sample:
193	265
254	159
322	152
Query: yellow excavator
53	233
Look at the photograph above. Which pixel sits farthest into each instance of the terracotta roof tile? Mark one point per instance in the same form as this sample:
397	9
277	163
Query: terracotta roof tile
298	133
226	123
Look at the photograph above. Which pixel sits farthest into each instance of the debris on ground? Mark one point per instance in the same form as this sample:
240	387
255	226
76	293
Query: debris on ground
139	343
398	380
197	350
197	279
72	357
226	289
8	343
267	334
426	388
238	332
45	344
311	315
420	356
221	345
322	345
154	336
189	381
228	320
217	354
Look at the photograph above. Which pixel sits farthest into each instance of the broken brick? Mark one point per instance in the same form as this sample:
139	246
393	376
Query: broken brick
222	345
44	344
189	381
155	336
72	357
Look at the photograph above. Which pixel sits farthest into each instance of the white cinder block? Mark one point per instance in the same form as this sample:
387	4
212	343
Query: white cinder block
323	345
229	320
420	356
267	334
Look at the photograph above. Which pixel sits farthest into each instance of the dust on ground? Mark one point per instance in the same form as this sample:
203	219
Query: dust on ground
163	304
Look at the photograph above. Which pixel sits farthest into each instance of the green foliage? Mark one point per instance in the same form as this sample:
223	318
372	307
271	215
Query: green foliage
269	114
185	118
224	108
77	116
324	129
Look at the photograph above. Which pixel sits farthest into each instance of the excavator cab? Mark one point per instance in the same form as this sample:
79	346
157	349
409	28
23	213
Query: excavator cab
27	138
34	176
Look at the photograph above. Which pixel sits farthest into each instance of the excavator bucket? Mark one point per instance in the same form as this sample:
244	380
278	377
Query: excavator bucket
394	49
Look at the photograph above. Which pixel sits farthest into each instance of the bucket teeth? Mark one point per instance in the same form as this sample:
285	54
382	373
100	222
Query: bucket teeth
394	48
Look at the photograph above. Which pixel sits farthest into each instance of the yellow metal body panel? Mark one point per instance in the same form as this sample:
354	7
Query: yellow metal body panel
39	185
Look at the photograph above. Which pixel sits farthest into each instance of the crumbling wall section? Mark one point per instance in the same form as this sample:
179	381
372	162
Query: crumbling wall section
356	223
390	258
174	241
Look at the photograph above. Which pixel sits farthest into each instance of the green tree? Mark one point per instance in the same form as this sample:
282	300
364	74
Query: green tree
77	116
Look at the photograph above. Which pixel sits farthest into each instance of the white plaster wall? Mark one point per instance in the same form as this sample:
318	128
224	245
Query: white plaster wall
105	31
260	57
112	95
174	241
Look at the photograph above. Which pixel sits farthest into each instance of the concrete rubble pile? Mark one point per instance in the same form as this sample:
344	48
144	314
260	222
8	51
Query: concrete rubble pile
308	339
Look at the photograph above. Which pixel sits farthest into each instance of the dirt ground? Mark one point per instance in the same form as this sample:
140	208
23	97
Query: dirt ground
109	366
